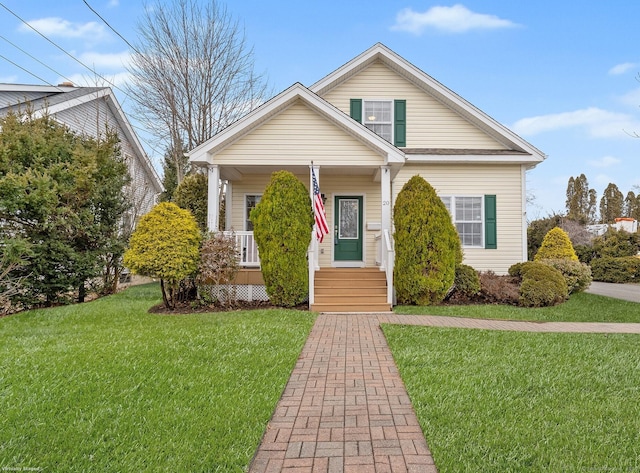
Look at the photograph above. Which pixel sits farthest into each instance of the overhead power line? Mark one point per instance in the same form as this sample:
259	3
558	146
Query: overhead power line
110	27
25	70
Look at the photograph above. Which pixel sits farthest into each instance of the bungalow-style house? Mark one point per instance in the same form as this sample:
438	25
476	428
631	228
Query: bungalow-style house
90	111
368	127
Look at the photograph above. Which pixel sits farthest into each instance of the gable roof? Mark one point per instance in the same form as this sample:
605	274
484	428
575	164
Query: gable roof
54	99
439	92
203	153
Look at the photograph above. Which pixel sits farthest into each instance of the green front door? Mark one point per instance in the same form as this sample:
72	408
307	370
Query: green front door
347	232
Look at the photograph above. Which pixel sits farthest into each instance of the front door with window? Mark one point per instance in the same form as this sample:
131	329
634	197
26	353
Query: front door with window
347	232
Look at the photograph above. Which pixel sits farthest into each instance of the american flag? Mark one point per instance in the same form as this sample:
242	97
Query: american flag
322	228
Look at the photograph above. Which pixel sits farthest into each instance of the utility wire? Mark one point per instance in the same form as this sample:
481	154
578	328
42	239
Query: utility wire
67	53
25	70
110	27
35	59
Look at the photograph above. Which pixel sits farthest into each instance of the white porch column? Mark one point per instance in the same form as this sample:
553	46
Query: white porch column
228	205
213	197
385	184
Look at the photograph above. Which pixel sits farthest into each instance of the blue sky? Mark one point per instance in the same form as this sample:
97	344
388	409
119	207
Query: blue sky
562	74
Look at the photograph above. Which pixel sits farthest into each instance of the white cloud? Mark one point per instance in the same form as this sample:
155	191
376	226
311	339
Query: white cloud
455	19
622	68
107	61
8	79
603	180
631	98
88	80
597	122
58	27
604	162
113	3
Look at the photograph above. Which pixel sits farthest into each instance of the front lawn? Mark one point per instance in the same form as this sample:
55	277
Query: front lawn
581	307
523	402
106	386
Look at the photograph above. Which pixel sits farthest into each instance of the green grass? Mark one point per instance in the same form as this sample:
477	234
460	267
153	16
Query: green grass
523	402
106	386
581	307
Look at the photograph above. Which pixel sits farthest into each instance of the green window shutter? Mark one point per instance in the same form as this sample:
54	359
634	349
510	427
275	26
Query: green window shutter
356	110
400	123
490	227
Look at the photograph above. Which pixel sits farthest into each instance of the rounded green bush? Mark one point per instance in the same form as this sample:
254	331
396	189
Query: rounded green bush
467	280
282	224
576	274
542	285
617	270
426	243
556	245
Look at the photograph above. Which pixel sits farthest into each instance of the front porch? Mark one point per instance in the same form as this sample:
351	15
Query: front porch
331	289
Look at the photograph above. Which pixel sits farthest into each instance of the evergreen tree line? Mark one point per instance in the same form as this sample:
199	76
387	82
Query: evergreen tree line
582	203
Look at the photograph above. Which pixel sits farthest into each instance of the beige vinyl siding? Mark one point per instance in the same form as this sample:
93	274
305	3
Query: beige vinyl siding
296	136
477	180
330	185
429	123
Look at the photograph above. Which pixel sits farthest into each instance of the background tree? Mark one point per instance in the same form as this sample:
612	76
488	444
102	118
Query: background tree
165	245
191	194
611	204
282	224
631	205
192	74
63	194
427	245
580	201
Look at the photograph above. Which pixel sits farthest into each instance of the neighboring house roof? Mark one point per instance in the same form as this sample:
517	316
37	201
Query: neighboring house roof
54	100
518	147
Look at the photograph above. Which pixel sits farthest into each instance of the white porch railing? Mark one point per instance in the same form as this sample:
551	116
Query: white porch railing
385	259
247	249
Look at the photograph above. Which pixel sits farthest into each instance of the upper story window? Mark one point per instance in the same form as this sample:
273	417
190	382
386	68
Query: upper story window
378	117
387	118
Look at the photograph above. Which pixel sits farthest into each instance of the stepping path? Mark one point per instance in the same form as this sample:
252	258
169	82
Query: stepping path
345	408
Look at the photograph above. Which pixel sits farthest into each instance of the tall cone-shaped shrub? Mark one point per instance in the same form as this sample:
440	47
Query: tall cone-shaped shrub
427	245
165	245
556	245
282	224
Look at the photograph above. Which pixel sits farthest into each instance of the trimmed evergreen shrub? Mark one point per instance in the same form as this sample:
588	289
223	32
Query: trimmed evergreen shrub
576	274
542	285
282	224
618	270
556	245
466	280
616	244
165	245
426	243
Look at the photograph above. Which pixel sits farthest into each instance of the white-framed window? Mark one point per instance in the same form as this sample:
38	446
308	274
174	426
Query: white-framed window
466	213
377	115
250	201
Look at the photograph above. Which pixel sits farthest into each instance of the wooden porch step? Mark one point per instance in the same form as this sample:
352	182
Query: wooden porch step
350	290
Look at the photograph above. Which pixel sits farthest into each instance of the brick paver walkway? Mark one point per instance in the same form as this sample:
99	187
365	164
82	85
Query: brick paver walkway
345	408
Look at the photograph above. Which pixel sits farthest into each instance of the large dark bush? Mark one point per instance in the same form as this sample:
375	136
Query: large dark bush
282	224
191	195
466	280
616	244
618	270
427	245
542	285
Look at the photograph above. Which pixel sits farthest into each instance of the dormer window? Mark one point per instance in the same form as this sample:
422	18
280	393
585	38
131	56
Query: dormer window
386	118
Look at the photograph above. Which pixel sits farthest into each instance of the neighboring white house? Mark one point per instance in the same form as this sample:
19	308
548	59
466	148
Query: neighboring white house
91	111
368	127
